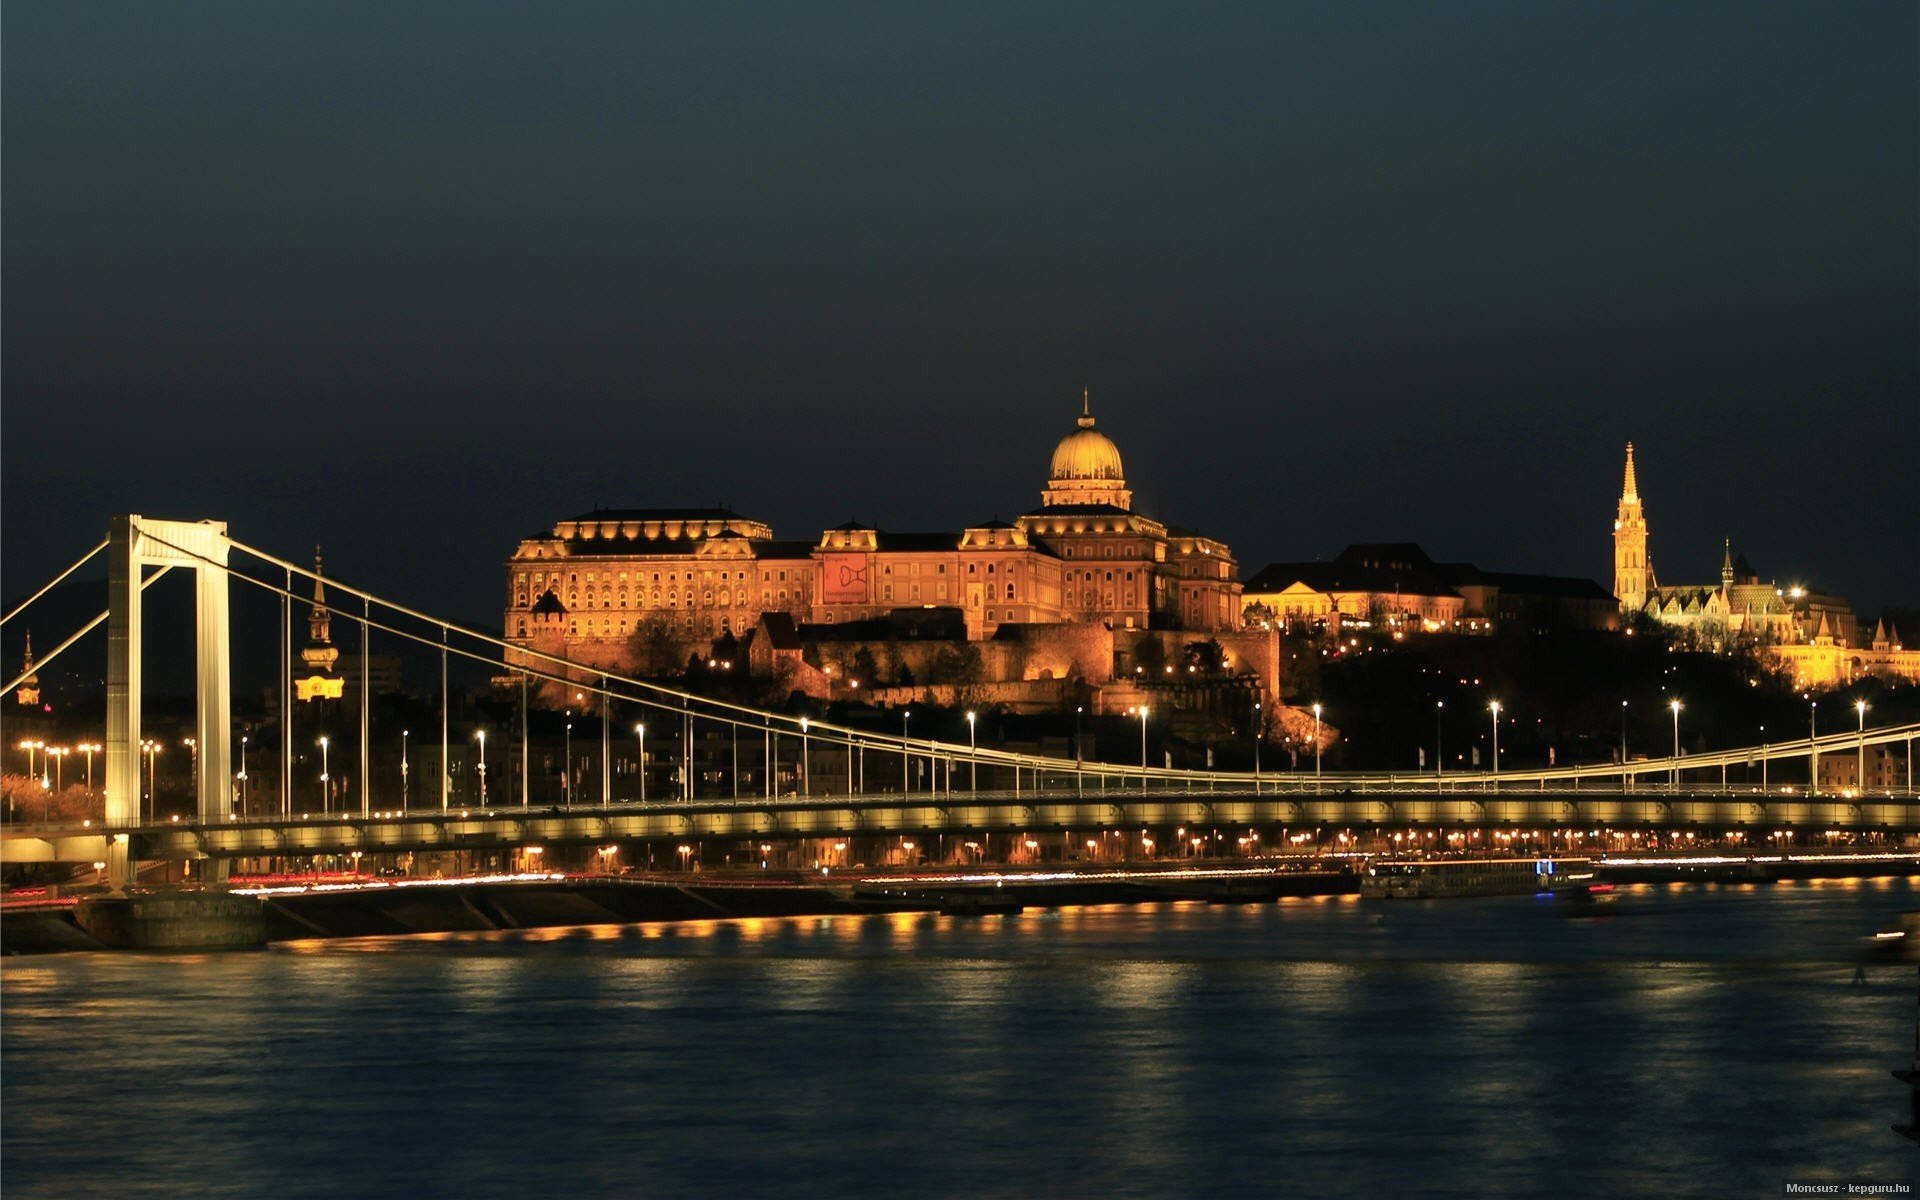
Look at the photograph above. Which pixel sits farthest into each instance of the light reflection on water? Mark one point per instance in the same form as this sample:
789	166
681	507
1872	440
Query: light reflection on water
1690	1042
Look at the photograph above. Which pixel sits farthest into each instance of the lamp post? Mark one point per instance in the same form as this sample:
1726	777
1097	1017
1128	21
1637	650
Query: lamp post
1763	760
906	784
973	764
1860	770
1316	745
481	734
1813	746
1494	707
404	735
806	776
1674	776
566	774
193	749
1439	746
640	732
153	776
1143	747
1257	731
88	749
324	789
30	747
59	756
1623	743
242	776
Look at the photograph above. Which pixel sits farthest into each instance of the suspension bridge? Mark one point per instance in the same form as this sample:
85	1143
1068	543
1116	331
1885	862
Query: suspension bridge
844	778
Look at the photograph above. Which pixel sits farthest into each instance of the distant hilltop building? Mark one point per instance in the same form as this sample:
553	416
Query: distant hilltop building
1814	635
595	587
1083	555
1395	588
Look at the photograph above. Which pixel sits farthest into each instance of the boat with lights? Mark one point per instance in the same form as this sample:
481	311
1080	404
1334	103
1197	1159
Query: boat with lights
1421	879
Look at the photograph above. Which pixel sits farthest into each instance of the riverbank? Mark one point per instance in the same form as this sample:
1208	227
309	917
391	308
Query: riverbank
294	910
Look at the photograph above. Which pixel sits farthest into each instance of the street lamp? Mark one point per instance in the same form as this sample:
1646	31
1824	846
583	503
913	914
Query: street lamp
1439	710
1813	745
1257	731
324	789
30	747
242	777
1143	747
193	748
89	749
1494	707
806	776
1674	777
404	735
1623	743
1316	744
906	785
566	777
640	731
151	748
482	735
1860	770
973	764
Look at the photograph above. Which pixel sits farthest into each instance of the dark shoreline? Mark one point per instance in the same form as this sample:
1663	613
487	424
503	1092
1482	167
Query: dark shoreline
490	905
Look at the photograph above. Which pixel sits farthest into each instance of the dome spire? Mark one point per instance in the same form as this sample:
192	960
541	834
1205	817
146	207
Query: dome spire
1086	408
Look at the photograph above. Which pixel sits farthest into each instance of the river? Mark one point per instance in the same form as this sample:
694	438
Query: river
1692	1041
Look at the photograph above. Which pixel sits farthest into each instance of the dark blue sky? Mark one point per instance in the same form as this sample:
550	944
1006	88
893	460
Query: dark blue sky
416	280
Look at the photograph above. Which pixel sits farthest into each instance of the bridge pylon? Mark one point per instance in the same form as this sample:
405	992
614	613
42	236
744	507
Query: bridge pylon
134	543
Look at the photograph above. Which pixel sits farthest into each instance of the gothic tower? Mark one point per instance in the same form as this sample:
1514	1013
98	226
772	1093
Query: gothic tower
29	694
1632	575
319	654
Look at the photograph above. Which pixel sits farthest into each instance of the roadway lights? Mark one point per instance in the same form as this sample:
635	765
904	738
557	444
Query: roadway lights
640	732
1674	778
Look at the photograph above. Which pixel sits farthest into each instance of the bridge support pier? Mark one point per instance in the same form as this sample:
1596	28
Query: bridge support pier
133	543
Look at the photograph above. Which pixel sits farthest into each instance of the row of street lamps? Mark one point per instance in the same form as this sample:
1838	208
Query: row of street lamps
51	761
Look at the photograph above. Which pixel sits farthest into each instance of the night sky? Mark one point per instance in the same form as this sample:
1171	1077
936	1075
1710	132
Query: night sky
416	280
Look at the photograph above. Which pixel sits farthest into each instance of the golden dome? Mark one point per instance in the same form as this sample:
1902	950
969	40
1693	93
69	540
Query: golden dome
1086	453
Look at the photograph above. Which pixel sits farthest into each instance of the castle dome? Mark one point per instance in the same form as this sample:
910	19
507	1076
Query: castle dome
1086	453
1086	468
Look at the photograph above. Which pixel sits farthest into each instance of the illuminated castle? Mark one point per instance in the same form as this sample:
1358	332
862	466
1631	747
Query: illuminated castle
1083	556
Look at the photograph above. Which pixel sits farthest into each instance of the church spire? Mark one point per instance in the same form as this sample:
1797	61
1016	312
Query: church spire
1086	408
1632	568
319	621
29	691
319	654
1726	563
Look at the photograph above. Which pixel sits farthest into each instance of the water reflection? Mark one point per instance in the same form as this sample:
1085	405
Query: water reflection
1310	1047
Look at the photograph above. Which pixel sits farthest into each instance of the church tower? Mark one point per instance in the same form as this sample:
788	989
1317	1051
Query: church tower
319	654
1631	574
29	694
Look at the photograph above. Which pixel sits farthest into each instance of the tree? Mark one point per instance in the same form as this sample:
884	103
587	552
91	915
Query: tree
1207	656
1150	654
652	646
